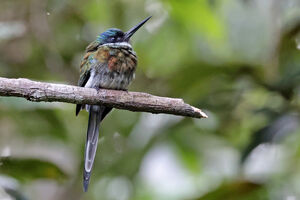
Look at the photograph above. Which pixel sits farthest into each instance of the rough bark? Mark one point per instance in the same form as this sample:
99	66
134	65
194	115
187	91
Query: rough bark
133	101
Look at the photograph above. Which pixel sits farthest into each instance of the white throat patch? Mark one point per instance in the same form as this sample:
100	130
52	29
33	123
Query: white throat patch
118	44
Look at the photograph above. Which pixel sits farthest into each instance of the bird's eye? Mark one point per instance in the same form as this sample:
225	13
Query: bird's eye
112	39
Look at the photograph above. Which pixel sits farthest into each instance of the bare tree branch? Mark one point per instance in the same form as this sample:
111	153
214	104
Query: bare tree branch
133	101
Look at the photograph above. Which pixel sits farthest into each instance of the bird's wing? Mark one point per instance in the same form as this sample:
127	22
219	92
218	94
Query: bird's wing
85	72
94	56
92	46
85	69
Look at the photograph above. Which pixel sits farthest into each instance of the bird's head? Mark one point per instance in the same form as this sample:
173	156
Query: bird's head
115	35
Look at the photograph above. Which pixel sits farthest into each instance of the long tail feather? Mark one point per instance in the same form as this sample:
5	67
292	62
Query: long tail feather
95	116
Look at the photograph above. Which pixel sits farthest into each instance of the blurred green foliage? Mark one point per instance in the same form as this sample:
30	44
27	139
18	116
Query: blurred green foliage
238	190
19	168
237	59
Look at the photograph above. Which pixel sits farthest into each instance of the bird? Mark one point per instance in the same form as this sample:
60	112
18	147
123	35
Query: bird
110	63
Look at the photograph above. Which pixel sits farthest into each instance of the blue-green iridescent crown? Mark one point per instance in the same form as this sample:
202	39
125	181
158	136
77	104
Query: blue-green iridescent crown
109	33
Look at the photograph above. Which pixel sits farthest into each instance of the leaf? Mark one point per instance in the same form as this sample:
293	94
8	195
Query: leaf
30	169
237	191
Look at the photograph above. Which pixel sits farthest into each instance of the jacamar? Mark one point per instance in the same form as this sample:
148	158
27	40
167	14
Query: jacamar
109	63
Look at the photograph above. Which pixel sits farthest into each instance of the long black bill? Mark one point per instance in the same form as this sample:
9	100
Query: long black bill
129	33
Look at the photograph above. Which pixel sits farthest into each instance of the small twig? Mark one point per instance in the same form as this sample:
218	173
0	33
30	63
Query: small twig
133	101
